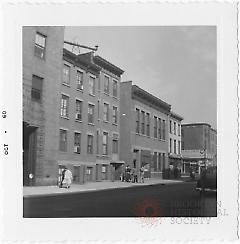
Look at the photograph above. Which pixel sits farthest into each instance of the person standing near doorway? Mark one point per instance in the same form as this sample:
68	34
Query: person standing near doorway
68	178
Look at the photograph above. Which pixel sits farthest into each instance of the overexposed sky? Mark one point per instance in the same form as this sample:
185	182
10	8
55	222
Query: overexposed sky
176	64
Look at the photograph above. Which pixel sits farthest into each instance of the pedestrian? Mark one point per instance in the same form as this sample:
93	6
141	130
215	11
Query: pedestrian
135	178
68	178
142	174
62	177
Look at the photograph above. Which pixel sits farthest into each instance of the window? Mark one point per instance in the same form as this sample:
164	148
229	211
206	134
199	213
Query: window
148	124
106	84
36	92
79	80
155	127
159	129
66	74
90	113
114	115
78	115
175	146
97	142
179	147
90	144
105	143
105	112
155	161
115	90
115	143
182	145
91	85
170	145
137	120
174	128
170	126
64	106
98	109
179	130
40	45
160	168
63	140
143	122
163	130
77	142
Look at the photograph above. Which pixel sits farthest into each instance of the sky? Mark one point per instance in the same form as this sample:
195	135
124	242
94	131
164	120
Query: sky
175	63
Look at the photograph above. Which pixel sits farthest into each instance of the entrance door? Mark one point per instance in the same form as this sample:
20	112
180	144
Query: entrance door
29	154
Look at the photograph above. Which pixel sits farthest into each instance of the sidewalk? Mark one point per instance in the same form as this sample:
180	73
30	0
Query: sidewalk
31	191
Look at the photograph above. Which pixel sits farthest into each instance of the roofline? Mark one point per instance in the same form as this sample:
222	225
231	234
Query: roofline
75	58
117	69
164	104
191	124
176	116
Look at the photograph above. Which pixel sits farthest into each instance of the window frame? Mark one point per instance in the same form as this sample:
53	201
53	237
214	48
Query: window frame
90	105
36	90
79	143
64	75
89	146
115	88
115	116
64	108
106	105
39	46
105	145
106	91
79	81
81	110
93	91
63	147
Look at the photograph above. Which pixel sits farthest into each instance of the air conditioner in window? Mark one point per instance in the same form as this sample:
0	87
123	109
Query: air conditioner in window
77	149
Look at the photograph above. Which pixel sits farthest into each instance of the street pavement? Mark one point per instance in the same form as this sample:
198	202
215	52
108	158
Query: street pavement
176	199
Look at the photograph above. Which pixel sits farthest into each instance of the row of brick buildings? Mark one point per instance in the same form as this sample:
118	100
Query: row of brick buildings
77	113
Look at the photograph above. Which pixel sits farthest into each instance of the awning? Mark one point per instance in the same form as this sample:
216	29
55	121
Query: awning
117	162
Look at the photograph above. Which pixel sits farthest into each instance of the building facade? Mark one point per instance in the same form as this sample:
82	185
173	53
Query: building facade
175	154
144	130
89	107
199	146
42	63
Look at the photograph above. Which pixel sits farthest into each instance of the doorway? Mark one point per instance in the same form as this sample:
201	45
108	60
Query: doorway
29	153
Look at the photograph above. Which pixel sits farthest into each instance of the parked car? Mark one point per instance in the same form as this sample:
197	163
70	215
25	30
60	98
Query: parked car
208	180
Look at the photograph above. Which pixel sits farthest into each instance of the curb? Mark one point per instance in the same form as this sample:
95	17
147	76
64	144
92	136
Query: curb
97	190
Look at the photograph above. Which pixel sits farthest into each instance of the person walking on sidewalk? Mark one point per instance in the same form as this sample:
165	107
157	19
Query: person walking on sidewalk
68	178
142	174
62	177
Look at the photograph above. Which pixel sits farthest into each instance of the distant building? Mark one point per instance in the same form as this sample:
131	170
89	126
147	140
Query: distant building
175	154
89	117
144	130
199	146
42	64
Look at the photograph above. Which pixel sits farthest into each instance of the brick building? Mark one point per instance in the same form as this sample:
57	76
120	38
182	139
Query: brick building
143	128
42	63
89	117
199	145
175	154
71	107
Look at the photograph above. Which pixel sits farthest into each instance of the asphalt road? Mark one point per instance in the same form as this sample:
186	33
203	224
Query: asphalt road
173	200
